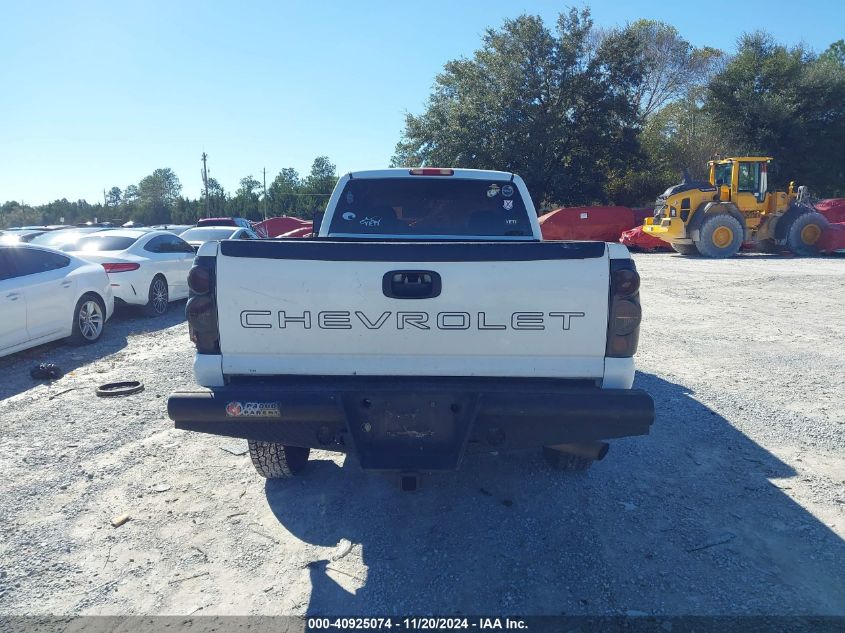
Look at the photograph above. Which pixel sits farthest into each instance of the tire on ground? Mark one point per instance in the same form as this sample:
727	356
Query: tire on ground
685	249
155	307
96	319
564	461
720	235
804	233
276	461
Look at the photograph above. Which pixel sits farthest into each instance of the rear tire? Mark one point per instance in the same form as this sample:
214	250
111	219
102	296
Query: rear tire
685	249
89	320
804	233
720	236
158	297
565	461
276	461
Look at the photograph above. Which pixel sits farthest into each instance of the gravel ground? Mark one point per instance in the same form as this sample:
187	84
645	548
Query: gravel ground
734	504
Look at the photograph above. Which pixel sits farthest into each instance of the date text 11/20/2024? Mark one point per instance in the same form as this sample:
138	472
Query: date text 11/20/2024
419	623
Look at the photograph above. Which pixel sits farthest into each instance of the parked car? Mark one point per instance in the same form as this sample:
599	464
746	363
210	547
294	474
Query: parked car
225	222
16	236
146	268
46	295
199	235
65	239
176	229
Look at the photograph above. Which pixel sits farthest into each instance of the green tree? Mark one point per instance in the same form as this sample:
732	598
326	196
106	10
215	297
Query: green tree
317	186
245	202
671	66
114	197
554	106
156	195
283	198
835	52
787	103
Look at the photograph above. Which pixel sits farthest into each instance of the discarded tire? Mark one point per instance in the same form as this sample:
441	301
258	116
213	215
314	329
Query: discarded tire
113	389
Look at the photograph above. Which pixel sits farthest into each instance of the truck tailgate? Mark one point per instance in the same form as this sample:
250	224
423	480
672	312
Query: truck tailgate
324	307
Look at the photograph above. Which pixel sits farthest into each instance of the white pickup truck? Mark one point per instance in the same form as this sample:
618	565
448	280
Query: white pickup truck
426	320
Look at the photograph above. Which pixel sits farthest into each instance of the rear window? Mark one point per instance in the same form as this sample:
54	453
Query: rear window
96	243
430	206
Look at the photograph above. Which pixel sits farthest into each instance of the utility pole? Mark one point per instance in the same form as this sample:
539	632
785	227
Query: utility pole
205	183
265	192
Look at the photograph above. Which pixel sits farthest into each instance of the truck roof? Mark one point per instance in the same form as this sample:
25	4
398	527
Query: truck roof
402	172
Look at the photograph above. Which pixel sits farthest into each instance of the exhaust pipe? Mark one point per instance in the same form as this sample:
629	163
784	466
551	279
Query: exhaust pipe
591	450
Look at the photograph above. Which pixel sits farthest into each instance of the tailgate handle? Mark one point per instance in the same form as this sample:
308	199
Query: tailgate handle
411	284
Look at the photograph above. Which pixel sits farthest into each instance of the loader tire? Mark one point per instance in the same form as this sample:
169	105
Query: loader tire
803	235
720	236
685	249
564	461
276	461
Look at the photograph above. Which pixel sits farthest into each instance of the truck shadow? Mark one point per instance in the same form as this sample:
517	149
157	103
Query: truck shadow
126	321
694	519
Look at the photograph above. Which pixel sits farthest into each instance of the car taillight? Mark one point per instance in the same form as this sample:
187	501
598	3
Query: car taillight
120	267
625	314
201	309
431	171
199	280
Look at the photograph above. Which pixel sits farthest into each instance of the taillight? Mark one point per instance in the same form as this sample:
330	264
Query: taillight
201	309
431	171
199	280
625	314
120	267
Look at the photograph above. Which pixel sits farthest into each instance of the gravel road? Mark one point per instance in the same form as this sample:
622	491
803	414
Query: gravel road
735	504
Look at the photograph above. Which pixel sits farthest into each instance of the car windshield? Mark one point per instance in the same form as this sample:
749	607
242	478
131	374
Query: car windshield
429	206
96	243
205	234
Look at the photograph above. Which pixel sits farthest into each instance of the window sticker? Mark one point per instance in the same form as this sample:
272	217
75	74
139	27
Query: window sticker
507	204
348	216
493	191
368	221
507	191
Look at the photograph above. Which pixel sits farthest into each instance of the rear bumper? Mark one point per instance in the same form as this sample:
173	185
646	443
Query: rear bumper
414	423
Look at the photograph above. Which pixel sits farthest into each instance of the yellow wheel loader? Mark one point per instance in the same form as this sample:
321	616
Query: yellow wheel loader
714	218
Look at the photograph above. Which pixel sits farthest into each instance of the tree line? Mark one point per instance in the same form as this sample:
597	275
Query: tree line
157	199
586	115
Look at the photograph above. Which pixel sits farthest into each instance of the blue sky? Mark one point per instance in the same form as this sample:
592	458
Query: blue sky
96	94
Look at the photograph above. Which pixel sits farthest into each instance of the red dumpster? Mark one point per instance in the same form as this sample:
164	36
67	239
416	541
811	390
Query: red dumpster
638	240
302	231
604	224
833	209
275	227
833	238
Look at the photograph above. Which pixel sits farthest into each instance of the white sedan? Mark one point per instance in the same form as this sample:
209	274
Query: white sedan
146	268
199	235
46	295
